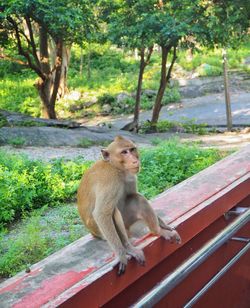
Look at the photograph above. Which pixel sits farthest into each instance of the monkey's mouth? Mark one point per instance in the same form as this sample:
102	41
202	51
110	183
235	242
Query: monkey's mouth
134	169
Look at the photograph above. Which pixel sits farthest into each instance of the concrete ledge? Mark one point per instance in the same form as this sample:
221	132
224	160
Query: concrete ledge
83	272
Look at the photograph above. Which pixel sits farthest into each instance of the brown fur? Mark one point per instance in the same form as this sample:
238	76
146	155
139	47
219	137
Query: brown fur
108	201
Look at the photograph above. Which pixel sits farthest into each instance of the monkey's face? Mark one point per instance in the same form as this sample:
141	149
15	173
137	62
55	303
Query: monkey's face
129	159
122	154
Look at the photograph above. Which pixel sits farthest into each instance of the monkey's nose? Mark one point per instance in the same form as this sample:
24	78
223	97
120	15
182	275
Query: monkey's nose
136	163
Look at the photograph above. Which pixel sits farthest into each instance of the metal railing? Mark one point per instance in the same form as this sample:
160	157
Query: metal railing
172	280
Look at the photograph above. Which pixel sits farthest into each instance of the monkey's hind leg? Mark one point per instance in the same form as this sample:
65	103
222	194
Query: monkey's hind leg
155	223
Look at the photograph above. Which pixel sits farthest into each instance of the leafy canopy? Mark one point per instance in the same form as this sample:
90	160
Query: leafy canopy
62	19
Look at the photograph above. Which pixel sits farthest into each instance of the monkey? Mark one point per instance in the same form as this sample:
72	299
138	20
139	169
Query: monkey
109	203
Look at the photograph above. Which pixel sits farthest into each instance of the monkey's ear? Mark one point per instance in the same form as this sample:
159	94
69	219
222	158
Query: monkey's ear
105	154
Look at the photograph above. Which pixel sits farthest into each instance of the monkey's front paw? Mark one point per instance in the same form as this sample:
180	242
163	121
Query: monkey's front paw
123	260
172	236
138	254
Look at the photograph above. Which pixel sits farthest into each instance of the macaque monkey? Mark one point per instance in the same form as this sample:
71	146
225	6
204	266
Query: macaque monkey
108	201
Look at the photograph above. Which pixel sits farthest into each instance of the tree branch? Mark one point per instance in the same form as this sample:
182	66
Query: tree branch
171	65
150	50
22	52
5	57
58	66
32	41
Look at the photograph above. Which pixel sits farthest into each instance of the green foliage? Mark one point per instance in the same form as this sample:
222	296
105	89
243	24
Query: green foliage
17	142
209	62
187	126
3	121
126	107
85	143
171	95
67	20
191	126
29	123
170	163
146	103
106	99
7	67
26	185
18	94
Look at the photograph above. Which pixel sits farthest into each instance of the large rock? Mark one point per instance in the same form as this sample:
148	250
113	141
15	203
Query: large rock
191	88
149	93
52	136
106	109
122	98
19	119
73	96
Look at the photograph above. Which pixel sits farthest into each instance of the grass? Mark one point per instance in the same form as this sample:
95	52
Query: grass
187	126
17	93
209	62
86	143
37	236
17	142
43	231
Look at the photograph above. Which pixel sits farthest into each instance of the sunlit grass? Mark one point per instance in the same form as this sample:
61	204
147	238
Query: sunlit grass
17	93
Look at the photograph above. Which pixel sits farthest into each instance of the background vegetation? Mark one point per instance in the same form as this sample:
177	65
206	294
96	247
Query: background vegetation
113	71
41	36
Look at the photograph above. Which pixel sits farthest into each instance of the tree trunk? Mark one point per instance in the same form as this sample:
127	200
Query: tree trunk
48	84
81	63
139	88
133	126
165	77
163	83
227	94
63	88
143	63
89	65
48	108
44	86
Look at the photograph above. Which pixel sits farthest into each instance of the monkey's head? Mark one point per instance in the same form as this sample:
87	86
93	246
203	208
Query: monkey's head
122	154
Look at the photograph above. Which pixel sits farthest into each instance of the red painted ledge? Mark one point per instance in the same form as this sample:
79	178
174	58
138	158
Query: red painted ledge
83	272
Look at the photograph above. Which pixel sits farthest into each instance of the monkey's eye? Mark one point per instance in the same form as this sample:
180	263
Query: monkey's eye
132	149
124	152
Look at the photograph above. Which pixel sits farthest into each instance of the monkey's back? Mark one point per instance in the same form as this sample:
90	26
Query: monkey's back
95	178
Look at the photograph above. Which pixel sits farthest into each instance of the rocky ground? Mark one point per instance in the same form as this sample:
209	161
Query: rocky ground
223	141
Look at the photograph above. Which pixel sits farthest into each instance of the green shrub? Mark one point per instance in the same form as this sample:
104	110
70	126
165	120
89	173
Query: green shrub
3	121
146	103
7	67
190	126
171	95
187	126
85	143
26	185
106	99
17	142
209	70
170	163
